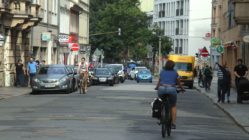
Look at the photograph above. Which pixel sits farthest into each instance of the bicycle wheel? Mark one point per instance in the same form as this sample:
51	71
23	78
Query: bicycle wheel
163	121
169	119
80	88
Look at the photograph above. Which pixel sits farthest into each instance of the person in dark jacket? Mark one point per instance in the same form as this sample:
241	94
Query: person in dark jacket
20	72
224	84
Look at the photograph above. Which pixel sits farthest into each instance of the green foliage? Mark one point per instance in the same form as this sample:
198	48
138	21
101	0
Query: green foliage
109	15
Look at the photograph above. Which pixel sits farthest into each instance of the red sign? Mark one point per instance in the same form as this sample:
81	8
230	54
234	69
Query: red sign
74	46
204	52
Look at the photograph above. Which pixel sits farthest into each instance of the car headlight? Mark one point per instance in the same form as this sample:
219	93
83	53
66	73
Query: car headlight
37	80
62	80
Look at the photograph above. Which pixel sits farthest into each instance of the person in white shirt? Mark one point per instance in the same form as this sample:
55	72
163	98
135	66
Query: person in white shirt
83	72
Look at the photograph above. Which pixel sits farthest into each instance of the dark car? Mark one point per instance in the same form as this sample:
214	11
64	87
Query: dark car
52	78
103	75
115	75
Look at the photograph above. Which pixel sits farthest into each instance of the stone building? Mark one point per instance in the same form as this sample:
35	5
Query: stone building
232	26
17	17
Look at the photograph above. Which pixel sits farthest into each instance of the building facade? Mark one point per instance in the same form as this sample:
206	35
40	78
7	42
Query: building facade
231	25
182	22
16	20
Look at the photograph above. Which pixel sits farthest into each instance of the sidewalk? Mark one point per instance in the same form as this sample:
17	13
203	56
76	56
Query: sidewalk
238	112
7	92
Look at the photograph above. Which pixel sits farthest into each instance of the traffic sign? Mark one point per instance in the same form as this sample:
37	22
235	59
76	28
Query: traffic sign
204	52
74	46
220	49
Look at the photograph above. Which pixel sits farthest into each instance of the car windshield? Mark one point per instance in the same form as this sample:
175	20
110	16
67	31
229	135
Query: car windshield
115	68
102	72
52	70
138	69
183	66
144	72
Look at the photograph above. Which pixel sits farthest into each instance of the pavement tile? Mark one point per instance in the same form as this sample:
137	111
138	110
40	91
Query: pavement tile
238	112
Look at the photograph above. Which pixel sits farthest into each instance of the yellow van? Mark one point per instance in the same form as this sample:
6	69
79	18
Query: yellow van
184	65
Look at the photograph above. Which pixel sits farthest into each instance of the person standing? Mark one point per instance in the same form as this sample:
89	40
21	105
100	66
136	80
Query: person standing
240	72
224	83
31	70
20	73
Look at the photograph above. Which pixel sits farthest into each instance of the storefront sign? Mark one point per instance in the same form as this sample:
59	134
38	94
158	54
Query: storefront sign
1	40
63	39
46	36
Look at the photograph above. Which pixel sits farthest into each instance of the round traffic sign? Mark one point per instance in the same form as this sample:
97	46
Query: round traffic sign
204	52
74	46
220	49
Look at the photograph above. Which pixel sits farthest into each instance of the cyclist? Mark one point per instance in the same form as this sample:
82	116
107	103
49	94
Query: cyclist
167	82
83	72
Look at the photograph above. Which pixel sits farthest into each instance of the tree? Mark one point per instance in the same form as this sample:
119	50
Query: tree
124	14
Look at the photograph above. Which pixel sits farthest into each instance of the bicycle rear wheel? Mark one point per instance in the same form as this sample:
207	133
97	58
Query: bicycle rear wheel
163	122
80	88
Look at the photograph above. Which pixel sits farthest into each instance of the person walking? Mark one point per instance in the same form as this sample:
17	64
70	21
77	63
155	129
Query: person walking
20	73
31	70
207	77
240	72
167	82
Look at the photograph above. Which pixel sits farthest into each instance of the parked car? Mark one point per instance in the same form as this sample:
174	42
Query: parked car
134	71
103	75
114	73
119	68
52	78
144	75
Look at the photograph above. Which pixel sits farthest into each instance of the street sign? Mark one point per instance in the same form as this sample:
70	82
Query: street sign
216	41
46	36
204	52
63	38
220	49
73	46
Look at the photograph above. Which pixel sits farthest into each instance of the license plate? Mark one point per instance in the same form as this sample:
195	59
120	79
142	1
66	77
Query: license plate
102	79
49	85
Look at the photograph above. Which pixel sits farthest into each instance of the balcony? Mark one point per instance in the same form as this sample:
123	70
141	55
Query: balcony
241	12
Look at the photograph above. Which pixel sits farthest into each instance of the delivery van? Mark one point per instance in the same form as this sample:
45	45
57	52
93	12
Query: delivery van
184	65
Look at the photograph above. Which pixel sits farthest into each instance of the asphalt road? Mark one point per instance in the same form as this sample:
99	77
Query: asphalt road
122	112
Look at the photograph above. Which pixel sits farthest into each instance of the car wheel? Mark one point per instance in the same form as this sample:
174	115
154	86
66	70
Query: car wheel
137	81
151	81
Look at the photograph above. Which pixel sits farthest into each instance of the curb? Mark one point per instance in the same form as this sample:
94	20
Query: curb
224	110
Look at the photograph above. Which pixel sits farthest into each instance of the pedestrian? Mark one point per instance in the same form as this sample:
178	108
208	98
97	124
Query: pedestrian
224	83
83	72
37	64
20	73
200	78
31	70
168	80
240	72
43	62
207	77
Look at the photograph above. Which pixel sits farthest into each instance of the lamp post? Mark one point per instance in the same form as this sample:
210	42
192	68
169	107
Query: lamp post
159	55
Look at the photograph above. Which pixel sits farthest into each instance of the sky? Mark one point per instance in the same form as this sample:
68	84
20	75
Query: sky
147	5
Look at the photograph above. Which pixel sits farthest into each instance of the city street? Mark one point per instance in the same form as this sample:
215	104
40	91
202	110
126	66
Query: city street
121	112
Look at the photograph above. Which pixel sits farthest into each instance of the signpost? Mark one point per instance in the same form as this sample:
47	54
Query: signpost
220	49
73	46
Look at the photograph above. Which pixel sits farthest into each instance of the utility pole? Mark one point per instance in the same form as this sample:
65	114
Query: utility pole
159	55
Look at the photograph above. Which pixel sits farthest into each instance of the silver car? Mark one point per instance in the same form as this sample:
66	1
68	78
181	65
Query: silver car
52	78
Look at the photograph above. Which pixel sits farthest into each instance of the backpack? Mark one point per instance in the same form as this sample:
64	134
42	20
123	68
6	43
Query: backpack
156	108
208	72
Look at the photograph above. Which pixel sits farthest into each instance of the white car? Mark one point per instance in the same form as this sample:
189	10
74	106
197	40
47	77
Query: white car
133	73
119	68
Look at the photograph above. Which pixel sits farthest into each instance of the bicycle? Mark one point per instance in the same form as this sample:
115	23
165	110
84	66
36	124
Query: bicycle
166	114
82	85
165	119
